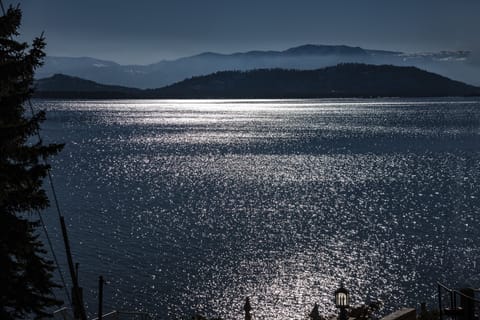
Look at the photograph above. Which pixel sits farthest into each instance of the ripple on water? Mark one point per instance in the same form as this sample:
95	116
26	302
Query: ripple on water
194	205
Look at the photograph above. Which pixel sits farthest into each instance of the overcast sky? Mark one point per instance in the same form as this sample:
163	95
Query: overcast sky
145	31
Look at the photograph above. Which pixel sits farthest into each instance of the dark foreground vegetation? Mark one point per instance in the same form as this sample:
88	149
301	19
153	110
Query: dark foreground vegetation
26	284
341	81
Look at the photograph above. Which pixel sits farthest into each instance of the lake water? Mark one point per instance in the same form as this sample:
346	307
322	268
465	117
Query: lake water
191	206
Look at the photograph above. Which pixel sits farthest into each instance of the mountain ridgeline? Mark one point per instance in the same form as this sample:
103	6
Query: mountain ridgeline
343	80
459	65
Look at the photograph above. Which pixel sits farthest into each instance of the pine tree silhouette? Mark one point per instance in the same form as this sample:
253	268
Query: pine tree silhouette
25	274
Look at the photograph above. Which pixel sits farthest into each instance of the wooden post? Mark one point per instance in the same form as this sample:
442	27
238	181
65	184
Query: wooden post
440	306
247	308
467	303
100	297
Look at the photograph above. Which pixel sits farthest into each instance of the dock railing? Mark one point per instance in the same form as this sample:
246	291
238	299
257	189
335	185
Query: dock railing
67	314
126	315
457	304
63	314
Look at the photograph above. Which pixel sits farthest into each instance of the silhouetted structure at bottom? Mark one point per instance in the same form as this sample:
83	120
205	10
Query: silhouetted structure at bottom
457	304
247	308
315	314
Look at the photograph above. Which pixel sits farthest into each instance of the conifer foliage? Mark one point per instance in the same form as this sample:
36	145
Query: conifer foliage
25	273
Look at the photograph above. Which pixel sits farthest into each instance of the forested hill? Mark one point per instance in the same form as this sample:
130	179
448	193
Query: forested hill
344	80
68	87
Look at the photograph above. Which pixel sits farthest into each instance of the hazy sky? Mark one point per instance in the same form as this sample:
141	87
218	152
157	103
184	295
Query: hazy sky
145	31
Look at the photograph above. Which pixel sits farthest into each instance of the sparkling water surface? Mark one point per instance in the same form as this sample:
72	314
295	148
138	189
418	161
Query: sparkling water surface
190	206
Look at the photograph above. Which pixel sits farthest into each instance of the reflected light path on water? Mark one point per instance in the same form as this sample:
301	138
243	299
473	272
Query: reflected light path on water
190	206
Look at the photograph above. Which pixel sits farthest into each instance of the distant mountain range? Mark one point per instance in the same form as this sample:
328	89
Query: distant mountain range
343	80
456	65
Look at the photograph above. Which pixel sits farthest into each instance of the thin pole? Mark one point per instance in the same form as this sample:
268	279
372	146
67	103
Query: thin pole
247	308
56	260
440	308
100	297
77	300
3	8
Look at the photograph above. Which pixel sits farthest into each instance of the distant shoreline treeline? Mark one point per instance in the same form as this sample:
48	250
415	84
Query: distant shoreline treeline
341	81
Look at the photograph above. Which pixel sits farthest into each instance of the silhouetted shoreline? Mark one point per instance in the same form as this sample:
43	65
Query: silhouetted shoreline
342	81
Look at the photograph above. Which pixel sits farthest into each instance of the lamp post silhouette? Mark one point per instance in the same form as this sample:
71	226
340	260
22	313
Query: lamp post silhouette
342	302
